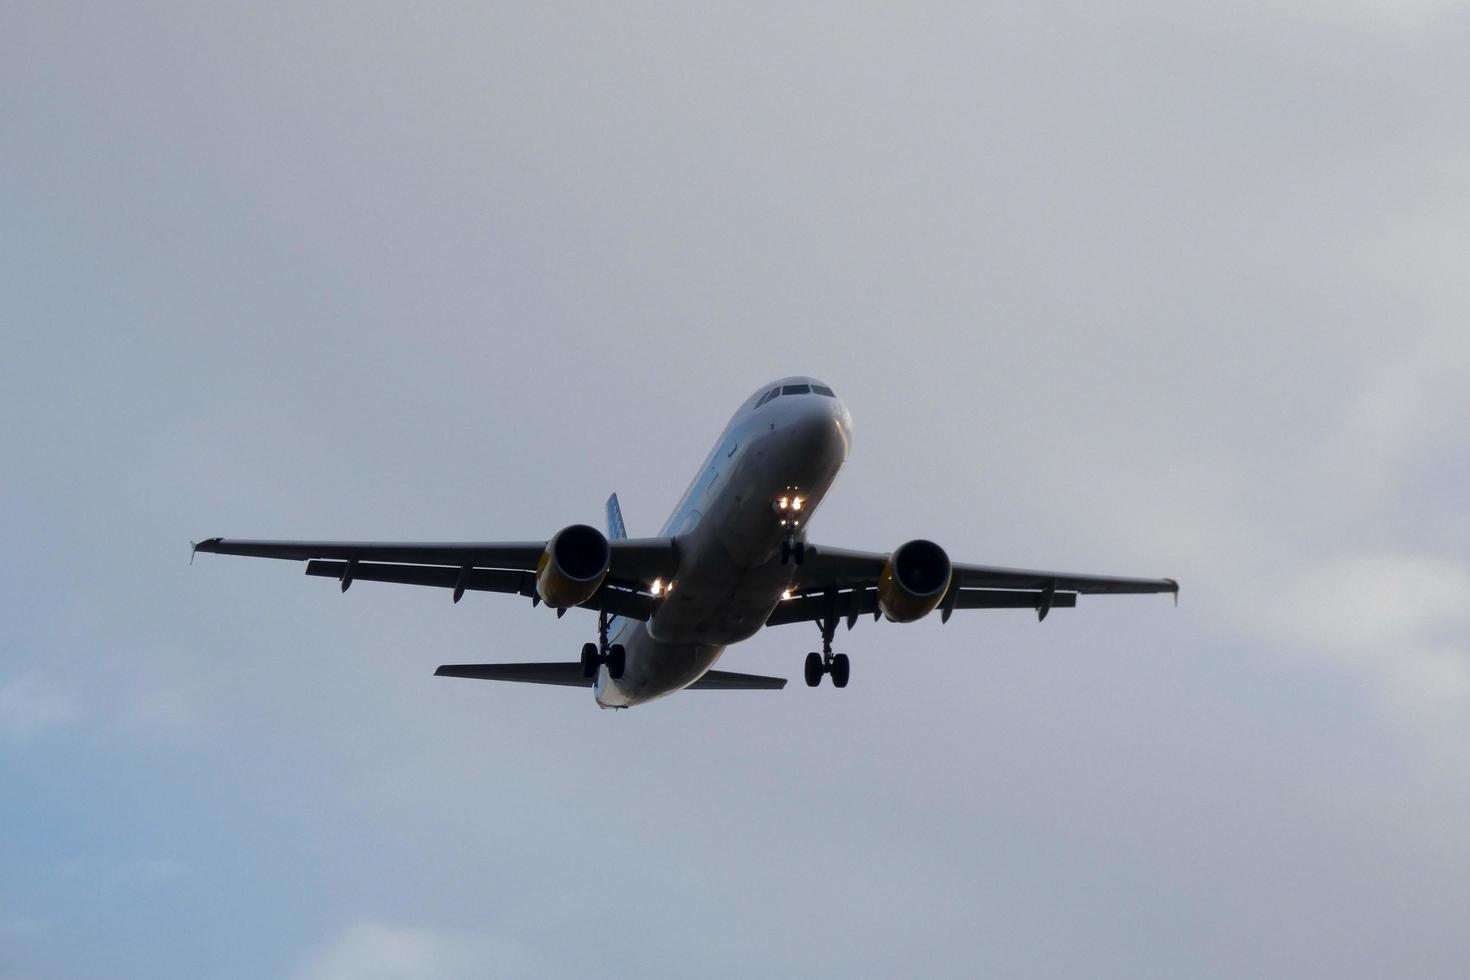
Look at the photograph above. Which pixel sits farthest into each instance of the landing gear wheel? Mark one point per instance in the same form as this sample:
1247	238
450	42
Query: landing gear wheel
617	659
590	660
814	669
793	551
827	662
840	669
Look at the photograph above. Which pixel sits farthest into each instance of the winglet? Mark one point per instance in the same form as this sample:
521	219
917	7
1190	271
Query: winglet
193	550
1176	591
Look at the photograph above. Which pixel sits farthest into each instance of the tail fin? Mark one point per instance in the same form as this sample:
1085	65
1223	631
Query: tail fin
615	528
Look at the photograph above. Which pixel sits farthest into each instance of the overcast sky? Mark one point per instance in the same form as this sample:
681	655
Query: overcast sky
1141	289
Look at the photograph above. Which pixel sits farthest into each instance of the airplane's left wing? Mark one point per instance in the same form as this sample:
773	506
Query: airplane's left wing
504	566
837	583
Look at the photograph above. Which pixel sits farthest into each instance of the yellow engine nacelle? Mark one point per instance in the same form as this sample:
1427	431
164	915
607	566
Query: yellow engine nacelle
573	565
914	581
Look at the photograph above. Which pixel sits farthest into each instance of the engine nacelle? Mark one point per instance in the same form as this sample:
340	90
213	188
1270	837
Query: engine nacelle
573	565
914	581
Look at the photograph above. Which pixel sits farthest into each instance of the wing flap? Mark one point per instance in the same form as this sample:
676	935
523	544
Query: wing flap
1011	599
475	580
839	568
864	602
994	577
611	598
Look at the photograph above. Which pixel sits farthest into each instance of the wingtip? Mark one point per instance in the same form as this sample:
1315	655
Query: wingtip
1174	590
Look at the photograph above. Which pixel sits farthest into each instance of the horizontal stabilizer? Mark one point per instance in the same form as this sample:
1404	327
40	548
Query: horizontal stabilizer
570	675
724	680
562	674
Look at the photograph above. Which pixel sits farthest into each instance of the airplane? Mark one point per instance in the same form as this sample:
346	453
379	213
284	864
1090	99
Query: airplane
733	558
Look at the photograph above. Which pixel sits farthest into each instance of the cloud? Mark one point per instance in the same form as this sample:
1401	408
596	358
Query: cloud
28	706
380	951
1401	617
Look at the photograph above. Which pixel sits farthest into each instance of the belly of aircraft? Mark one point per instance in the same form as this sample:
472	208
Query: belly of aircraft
654	669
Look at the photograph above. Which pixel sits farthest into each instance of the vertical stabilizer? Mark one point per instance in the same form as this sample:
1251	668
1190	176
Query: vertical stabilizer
615	528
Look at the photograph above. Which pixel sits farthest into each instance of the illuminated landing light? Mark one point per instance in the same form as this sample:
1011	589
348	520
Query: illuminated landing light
657	588
785	594
796	503
783	503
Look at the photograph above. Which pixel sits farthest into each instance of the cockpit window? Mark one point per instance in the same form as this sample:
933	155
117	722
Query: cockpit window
823	390
796	389
768	396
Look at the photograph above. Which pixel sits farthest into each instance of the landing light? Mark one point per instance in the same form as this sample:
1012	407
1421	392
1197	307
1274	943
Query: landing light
657	587
783	503
796	503
785	594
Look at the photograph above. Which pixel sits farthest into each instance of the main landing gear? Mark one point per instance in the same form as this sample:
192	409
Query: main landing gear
594	655
827	662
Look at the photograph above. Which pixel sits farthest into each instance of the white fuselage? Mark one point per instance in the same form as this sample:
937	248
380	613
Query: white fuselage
728	534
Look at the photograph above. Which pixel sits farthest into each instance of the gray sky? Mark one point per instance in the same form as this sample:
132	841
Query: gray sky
1141	289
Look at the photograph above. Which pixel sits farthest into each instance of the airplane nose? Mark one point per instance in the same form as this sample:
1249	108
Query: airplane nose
819	438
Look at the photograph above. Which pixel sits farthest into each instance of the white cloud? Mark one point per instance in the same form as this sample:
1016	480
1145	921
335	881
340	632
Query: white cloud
1401	617
28	706
380	951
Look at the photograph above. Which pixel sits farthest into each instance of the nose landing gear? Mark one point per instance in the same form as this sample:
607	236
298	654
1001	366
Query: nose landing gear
594	655
827	662
789	509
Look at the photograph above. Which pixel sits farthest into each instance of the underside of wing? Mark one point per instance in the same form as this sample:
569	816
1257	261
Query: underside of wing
995	577
836	583
849	604
507	567
488	554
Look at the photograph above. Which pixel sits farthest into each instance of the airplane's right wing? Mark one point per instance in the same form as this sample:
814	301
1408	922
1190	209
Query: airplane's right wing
505	566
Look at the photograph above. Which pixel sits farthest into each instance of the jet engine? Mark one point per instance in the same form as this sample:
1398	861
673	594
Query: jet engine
913	581
573	565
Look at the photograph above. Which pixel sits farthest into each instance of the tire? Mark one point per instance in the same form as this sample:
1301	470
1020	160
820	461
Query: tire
800	552
617	660
785	552
813	669
841	670
589	660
